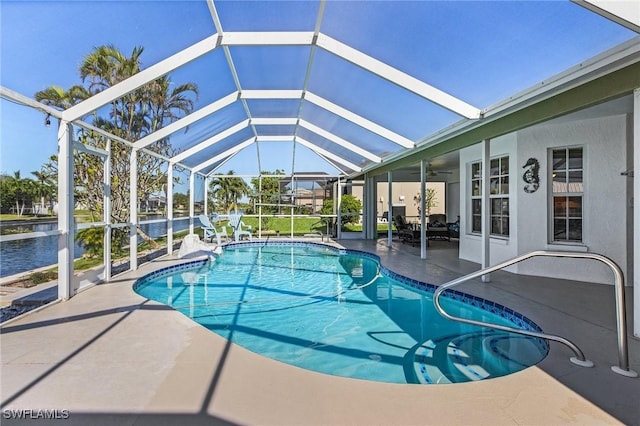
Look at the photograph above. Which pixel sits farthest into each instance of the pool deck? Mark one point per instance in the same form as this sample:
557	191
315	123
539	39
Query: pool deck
109	356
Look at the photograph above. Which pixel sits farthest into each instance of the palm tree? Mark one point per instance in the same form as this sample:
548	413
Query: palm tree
106	66
227	190
45	186
130	117
57	97
24	189
168	105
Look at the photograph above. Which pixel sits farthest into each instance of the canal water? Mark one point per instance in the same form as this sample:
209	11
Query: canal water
24	255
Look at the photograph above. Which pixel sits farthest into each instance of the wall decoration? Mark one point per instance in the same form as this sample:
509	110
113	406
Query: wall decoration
531	176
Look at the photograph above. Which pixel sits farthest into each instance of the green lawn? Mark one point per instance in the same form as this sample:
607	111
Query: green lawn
271	225
301	225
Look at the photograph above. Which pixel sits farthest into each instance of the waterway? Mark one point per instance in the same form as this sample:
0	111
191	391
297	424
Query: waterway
24	255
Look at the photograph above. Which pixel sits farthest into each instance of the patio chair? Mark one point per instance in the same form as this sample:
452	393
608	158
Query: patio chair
210	231
237	225
438	227
405	232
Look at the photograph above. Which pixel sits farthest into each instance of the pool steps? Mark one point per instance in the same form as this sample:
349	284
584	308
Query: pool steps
623	355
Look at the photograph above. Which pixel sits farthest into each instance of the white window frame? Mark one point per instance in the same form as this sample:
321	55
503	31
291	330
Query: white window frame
502	192
571	191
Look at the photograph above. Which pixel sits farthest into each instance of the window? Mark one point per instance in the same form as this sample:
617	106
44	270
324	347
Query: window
499	196
476	197
567	192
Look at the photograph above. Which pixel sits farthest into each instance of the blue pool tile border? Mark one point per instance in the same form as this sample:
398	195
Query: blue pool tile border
510	315
167	270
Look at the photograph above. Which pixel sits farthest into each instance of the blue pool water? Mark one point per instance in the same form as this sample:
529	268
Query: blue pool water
338	312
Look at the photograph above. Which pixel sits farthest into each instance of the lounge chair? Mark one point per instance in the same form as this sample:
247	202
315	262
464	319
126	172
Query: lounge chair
237	225
405	232
210	231
192	247
438	227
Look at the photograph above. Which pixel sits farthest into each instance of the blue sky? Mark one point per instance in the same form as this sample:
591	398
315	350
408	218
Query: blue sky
481	52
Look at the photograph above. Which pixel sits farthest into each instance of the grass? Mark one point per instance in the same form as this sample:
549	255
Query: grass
301	225
272	225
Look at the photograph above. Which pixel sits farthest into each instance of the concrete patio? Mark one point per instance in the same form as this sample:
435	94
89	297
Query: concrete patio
109	356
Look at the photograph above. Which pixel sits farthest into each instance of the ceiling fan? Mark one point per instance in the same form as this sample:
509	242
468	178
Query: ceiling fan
433	173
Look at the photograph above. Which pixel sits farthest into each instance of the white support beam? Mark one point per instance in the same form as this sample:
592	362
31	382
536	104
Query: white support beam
187	120
636	213
224	154
192	199
133	210
359	120
206	195
486	208
338	210
423	209
214	15
21	99
390	208
267	38
342	142
275	138
66	206
143	77
274	121
271	94
211	141
327	154
369	217
170	208
397	77
106	213
293	157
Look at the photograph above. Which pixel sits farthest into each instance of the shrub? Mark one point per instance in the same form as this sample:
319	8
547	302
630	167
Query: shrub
350	208
43	277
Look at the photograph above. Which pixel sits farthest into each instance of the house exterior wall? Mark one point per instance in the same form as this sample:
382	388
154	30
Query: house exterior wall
605	213
471	244
453	199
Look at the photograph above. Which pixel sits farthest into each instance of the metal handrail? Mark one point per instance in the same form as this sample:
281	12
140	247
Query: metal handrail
623	355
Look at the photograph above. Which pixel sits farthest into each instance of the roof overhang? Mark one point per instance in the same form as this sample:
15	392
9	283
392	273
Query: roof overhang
611	75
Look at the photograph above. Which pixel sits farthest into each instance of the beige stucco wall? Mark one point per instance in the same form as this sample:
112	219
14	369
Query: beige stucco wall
403	195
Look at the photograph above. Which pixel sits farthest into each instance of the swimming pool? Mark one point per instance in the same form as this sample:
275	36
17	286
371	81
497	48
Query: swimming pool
339	312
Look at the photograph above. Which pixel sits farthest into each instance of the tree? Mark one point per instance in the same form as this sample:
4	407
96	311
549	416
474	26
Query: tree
228	190
17	191
45	186
130	117
7	194
180	199
431	200
267	192
350	208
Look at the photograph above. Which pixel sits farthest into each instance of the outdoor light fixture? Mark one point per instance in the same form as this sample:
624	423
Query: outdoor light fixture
47	120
